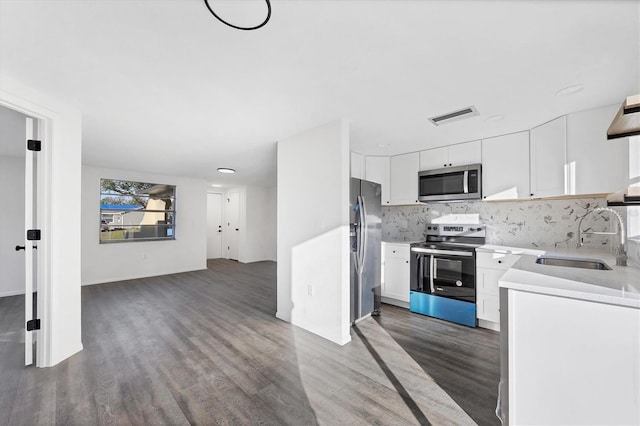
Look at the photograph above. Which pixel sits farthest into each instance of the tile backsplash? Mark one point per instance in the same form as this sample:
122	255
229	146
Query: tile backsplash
535	223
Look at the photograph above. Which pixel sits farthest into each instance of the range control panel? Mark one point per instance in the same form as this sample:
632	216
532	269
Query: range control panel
456	230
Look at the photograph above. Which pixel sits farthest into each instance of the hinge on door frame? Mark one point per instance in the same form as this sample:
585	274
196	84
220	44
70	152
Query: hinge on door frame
33	235
34	145
33	324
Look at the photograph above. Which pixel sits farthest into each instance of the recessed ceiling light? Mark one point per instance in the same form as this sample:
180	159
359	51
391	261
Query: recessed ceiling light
215	185
384	145
225	170
497	117
571	90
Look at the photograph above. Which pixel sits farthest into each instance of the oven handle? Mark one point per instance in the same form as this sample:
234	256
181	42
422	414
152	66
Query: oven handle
446	252
420	272
435	267
431	265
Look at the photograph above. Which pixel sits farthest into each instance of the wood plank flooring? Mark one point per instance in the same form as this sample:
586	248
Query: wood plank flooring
205	348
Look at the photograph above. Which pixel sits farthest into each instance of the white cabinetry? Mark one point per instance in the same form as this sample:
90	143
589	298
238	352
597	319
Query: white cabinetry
572	361
404	178
377	170
548	157
595	165
395	273
490	267
505	167
357	165
451	156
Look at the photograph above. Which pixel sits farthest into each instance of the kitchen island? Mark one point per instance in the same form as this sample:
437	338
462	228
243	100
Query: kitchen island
572	340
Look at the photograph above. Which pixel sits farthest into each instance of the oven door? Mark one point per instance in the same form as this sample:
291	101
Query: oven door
446	273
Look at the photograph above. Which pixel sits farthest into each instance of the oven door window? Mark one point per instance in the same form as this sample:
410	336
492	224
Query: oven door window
454	277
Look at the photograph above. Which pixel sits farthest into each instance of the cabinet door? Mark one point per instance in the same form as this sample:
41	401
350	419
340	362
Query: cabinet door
488	307
377	170
436	158
595	165
357	165
465	153
548	156
396	279
505	167
404	178
487	280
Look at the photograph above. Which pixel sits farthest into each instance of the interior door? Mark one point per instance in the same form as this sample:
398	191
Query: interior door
232	213
214	226
31	243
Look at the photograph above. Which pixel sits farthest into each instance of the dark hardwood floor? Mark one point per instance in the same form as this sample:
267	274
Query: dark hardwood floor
205	348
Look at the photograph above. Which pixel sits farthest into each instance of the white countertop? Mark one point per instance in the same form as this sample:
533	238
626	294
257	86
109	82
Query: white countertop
401	241
619	286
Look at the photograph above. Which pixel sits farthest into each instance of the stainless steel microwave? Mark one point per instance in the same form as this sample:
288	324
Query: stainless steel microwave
451	183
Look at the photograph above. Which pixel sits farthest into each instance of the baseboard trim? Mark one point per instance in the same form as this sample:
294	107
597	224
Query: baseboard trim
11	293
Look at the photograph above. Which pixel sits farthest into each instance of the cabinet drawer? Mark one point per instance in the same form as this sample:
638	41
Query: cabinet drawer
502	261
488	308
400	251
487	280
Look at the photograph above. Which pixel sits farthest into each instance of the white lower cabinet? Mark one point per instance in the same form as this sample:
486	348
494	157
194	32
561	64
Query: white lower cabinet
395	273
490	267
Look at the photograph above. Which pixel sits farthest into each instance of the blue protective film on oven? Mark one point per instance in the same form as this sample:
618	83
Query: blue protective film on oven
444	308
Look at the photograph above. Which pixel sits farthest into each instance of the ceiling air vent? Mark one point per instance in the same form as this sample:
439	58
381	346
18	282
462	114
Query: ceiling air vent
454	116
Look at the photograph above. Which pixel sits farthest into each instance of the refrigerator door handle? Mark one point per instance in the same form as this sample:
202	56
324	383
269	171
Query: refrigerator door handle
363	231
465	182
431	264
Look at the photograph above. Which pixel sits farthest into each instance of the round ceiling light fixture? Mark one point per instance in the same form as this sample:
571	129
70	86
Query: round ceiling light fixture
571	90
226	170
206	3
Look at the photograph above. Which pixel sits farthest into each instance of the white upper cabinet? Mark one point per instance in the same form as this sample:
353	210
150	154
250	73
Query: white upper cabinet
451	156
435	158
404	178
505	167
357	165
377	170
548	157
465	153
595	164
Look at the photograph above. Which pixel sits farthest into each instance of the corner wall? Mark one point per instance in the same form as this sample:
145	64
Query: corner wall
313	231
122	261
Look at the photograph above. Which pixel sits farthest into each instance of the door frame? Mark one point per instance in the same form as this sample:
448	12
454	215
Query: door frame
44	119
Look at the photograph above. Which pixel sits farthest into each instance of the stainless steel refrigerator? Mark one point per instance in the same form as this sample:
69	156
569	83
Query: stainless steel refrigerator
366	247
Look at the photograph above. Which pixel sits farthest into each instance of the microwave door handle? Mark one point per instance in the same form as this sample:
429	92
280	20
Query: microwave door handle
431	265
465	182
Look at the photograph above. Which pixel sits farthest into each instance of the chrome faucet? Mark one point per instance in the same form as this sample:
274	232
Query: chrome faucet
619	251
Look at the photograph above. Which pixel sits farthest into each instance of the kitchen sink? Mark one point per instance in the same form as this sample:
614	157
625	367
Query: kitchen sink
573	262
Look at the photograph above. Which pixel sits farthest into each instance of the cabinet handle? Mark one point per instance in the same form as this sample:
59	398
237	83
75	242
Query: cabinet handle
406	261
444	165
499	261
531	195
449	164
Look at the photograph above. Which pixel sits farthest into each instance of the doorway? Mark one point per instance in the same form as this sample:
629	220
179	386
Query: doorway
19	179
214	226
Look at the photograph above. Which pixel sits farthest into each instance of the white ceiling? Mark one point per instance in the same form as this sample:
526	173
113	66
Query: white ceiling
166	88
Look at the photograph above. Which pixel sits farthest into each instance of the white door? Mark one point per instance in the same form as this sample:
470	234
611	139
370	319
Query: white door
214	226
232	224
31	241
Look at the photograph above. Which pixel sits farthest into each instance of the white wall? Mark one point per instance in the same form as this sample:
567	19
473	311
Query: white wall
313	231
257	223
59	250
12	222
259	241
121	261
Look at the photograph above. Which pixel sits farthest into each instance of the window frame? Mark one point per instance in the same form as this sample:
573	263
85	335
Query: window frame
171	213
